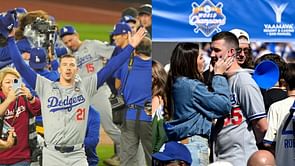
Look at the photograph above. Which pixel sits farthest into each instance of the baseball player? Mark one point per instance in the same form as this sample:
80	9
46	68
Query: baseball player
38	63
235	141
90	55
65	103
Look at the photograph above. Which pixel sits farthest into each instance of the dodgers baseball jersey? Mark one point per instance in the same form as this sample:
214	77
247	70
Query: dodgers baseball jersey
90	56
283	137
236	142
89	61
65	110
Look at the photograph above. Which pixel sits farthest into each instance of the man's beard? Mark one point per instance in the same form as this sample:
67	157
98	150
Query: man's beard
213	61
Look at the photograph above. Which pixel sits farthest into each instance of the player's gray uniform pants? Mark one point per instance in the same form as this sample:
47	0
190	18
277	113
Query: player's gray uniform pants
53	157
101	103
130	142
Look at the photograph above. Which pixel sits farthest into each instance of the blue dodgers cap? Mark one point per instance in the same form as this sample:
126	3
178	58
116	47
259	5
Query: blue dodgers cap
173	151
121	28
21	10
37	58
7	23
128	18
266	74
67	30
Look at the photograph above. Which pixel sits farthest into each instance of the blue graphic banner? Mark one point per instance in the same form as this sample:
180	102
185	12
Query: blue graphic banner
198	20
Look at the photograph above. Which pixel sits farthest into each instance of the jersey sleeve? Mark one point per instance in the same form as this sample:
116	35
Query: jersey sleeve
25	71
251	101
54	65
273	127
42	85
60	51
102	49
23	45
118	73
90	84
4	57
115	63
4	54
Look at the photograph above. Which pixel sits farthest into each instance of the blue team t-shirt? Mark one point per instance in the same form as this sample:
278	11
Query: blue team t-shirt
138	89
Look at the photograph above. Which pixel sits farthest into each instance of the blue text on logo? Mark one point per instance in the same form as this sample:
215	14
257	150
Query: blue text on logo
68	103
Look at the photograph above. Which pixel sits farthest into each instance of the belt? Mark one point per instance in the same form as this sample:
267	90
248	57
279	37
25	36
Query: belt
64	148
136	107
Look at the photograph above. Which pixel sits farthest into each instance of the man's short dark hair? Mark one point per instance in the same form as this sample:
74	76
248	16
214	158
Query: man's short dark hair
130	11
144	47
290	76
66	56
229	38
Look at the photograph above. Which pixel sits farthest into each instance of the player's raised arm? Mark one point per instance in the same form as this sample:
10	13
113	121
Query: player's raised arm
119	60
25	71
4	57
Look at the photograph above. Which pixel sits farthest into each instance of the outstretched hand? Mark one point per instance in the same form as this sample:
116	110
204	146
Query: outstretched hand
137	37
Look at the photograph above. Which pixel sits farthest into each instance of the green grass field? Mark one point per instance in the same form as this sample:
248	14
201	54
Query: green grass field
99	32
90	31
104	152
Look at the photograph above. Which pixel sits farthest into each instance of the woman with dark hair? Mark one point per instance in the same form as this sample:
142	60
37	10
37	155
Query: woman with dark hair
159	77
191	106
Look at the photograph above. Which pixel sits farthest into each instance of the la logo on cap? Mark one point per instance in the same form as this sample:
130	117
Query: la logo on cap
10	26
37	59
162	148
65	29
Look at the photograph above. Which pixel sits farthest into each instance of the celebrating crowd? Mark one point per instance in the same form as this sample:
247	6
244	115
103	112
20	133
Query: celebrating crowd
56	90
227	102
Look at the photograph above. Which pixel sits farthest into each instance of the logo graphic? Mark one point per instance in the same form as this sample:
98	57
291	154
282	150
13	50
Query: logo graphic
56	104
207	17
278	10
37	59
65	29
233	99
278	28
